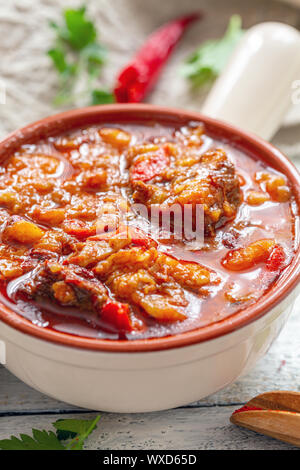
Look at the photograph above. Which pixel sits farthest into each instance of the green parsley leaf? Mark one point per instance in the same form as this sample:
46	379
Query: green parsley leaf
75	426
58	57
102	97
95	53
41	440
63	435
79	30
82	427
206	63
77	57
75	430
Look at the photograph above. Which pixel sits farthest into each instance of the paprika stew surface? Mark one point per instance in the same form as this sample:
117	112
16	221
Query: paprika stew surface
77	256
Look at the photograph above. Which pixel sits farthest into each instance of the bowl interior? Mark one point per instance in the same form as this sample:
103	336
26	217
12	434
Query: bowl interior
250	144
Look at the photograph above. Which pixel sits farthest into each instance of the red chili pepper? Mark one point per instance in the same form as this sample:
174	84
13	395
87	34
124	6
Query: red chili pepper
276	259
141	74
145	170
118	315
246	408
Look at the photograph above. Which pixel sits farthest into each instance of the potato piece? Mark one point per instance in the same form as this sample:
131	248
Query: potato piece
67	144
8	198
141	289
43	186
248	257
136	150
115	137
278	192
95	180
187	274
160	308
49	216
125	259
256	198
10	269
23	231
276	186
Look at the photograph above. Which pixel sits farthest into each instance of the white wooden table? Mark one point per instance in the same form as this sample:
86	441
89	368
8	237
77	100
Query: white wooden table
202	425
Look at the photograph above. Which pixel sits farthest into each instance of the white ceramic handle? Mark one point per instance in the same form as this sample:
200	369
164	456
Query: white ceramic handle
254	91
2	352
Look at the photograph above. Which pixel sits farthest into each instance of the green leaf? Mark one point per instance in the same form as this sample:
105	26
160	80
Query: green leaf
95	53
102	97
82	427
59	61
77	55
206	63
77	426
79	30
41	440
75	429
63	435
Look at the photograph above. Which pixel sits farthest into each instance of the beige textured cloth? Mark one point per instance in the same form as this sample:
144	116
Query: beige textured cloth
30	81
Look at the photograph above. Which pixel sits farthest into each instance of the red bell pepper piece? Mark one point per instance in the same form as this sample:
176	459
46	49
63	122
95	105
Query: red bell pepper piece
145	170
79	229
141	74
118	315
276	259
140	238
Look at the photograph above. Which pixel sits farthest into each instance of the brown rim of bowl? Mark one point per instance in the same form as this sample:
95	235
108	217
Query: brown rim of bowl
252	145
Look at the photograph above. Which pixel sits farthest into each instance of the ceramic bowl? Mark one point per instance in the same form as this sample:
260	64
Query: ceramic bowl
149	374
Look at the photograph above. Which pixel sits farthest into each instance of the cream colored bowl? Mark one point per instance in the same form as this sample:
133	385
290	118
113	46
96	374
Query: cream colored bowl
149	374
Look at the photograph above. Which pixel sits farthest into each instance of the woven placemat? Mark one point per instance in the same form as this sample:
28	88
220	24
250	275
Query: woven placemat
30	81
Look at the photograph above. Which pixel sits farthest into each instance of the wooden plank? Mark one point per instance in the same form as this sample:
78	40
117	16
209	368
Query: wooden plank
185	428
277	370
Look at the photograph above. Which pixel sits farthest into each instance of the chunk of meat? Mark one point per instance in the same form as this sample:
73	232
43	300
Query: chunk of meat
148	194
63	293
100	246
72	286
92	251
153	280
53	242
212	183
140	288
69	286
161	266
14	261
126	260
248	257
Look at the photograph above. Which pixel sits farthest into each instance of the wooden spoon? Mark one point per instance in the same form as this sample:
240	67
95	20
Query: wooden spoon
275	414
